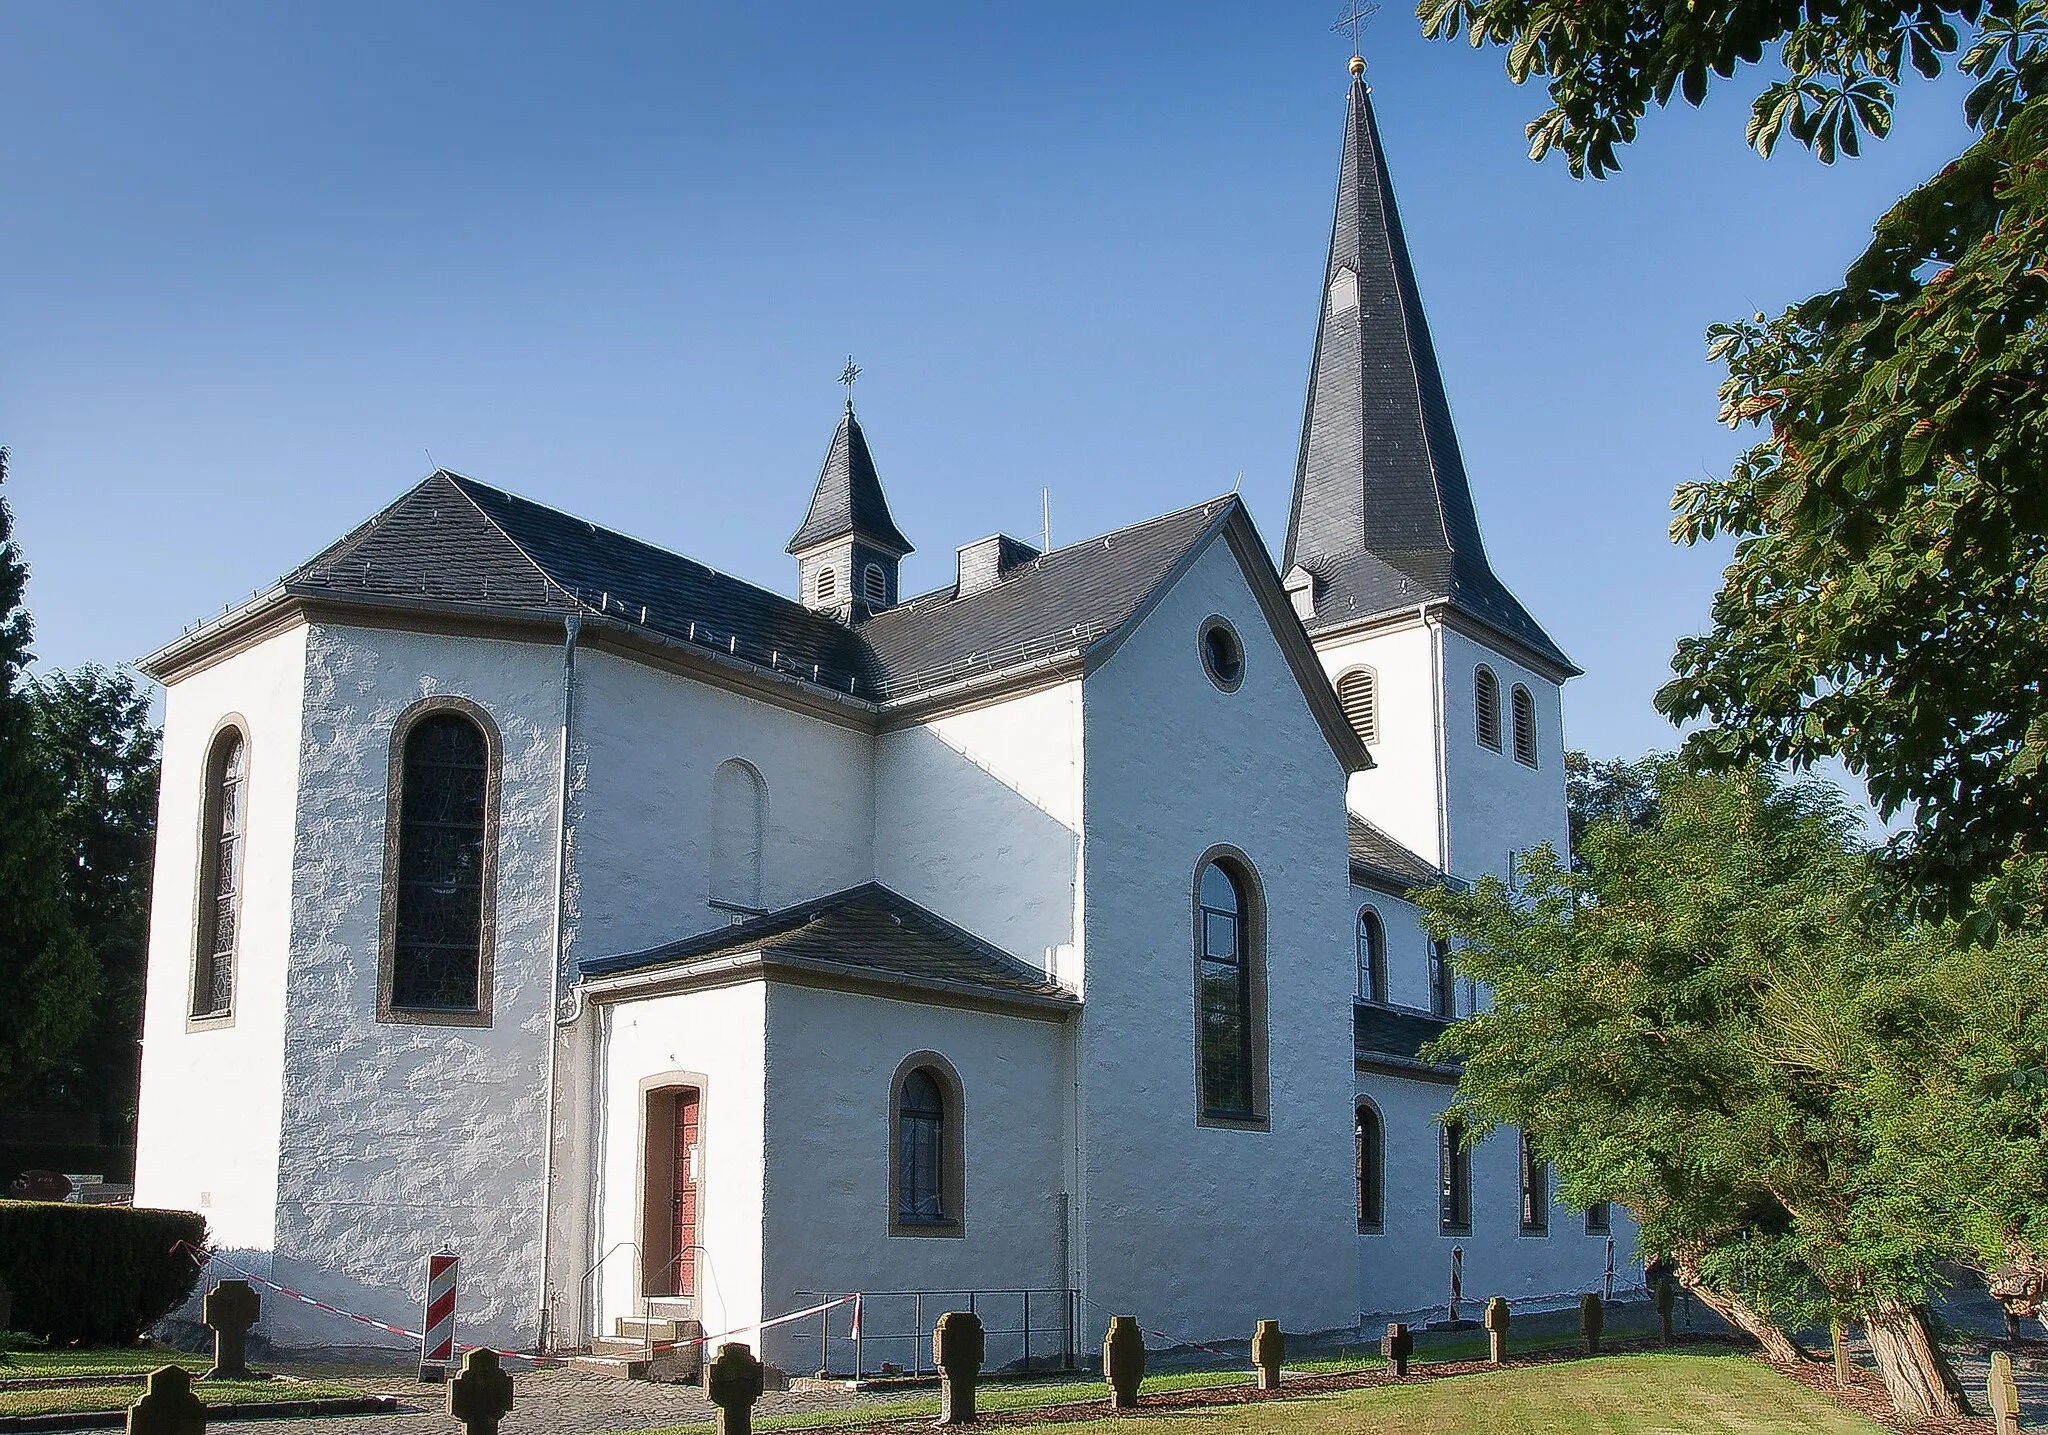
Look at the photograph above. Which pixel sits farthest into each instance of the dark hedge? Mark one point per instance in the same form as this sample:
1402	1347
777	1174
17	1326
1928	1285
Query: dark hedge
95	1275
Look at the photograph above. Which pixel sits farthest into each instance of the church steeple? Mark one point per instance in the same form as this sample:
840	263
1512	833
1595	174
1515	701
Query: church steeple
1383	514
848	547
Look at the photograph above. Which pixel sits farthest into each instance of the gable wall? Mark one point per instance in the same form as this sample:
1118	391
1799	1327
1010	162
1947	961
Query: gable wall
1201	1229
207	1133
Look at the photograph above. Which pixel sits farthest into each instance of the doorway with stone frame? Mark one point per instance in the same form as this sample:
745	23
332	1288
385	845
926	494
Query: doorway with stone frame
672	1146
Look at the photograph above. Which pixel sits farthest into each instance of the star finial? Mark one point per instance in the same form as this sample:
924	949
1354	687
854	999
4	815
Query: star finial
1361	11
846	376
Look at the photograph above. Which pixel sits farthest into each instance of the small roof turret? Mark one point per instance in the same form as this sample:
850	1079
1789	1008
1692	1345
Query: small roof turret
848	502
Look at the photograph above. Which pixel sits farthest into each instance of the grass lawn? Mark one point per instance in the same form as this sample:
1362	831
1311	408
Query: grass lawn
120	1397
109	1360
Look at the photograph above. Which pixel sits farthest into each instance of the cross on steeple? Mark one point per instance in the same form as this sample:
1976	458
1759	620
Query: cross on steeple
846	376
1361	11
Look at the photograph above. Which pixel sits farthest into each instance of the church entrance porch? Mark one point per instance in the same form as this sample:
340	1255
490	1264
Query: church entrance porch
672	1165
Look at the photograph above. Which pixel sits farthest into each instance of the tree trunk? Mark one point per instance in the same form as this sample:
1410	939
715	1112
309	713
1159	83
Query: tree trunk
1916	1371
1779	1348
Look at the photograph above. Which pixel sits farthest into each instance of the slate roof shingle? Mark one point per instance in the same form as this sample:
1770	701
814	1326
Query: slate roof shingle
848	499
1374	853
1383	512
1390	1032
866	931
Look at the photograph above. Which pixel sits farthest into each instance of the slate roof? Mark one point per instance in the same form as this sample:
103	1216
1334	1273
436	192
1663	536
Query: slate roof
1376	855
1379	1031
866	932
1383	512
848	501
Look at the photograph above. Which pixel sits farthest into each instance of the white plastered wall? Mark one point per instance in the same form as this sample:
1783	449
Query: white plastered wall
207	1133
1400	793
832	1060
1200	1230
978	818
1497	804
1407	946
717	1038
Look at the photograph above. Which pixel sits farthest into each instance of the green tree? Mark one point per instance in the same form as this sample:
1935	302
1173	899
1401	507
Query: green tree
1892	531
94	729
1610	791
1684	1026
47	974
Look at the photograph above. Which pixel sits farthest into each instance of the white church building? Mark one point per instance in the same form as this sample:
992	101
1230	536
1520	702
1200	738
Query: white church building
652	940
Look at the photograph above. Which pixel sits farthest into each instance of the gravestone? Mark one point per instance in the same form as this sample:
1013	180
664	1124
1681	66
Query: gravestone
480	1396
1591	1318
1497	1330
1123	1360
1269	1353
168	1406
1397	1345
2004	1393
1666	1297
957	1350
734	1382
229	1310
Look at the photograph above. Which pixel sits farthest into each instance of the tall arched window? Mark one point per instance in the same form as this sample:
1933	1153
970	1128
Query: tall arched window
222	820
739	813
1443	980
1535	1191
1372	1166
1359	693
927	1173
1230	990
437	954
1454	1161
874	585
1486	706
1372	956
1524	708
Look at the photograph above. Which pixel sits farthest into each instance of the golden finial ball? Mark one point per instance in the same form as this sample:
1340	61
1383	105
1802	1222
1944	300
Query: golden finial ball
1358	65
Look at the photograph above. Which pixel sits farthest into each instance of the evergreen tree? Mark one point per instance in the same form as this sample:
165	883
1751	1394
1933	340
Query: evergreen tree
48	978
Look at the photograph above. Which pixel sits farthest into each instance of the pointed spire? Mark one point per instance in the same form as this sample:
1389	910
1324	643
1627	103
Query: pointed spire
848	502
1383	515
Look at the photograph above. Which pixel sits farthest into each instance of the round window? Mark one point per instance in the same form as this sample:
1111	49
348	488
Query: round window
1222	654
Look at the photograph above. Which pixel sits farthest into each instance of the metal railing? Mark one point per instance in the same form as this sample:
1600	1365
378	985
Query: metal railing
1022	1328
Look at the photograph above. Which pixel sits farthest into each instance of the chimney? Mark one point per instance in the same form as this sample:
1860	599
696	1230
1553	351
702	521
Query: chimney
986	563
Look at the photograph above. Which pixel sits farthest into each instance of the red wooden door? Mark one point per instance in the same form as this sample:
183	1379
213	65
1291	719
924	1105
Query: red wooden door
684	1201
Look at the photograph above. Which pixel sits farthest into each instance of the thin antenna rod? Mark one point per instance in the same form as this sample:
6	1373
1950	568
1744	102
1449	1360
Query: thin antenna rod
1045	509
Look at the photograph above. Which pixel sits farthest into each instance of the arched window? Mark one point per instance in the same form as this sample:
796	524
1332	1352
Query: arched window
1535	1191
874	584
1372	956
1525	725
1454	1163
223	818
1359	693
436	963
1443	980
1230	991
1372	1165
1486	707
927	1172
828	585
739	813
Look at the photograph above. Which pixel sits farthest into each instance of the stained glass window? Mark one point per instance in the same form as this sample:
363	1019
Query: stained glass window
220	886
438	933
920	1152
1224	962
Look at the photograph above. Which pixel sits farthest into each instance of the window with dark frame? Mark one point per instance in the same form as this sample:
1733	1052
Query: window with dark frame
1372	1161
1225	1057
437	930
220	877
1443	980
1372	957
1455	1173
1486	706
1599	1219
921	1152
1535	1191
1525	726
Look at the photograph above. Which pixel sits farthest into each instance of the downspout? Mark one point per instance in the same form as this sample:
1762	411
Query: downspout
571	625
1443	751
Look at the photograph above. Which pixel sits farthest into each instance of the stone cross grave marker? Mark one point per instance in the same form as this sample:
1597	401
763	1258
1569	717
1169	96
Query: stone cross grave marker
957	1350
1666	1297
480	1396
2004	1393
1269	1353
1123	1360
168	1406
1397	1345
1591	1318
734	1382
229	1310
1497	1330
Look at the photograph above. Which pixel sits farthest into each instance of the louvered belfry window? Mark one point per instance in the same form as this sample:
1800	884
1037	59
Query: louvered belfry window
874	585
1525	726
220	884
438	927
828	584
1359	692
1486	707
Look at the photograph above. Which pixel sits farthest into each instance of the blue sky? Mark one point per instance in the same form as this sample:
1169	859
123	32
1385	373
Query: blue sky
263	267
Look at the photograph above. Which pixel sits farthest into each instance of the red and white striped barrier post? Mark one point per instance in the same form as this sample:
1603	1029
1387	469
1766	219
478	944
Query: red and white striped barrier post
437	1331
1610	1268
1457	1280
